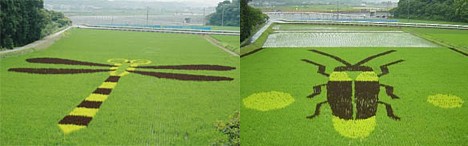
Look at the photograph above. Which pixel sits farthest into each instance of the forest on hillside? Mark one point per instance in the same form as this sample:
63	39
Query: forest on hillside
251	18
23	22
227	14
444	10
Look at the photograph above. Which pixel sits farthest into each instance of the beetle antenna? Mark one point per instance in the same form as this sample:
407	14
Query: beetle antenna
373	57
332	56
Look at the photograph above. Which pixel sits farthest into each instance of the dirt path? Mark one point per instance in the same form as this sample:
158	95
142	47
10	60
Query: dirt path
218	44
260	32
37	45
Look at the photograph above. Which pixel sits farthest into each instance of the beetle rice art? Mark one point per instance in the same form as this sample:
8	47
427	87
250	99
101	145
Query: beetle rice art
339	87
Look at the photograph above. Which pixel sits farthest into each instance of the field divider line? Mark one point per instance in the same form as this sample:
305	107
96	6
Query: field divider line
251	52
443	44
367	23
314	31
260	32
179	31
218	44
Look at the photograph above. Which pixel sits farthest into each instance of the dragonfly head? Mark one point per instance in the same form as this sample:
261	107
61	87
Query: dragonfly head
122	66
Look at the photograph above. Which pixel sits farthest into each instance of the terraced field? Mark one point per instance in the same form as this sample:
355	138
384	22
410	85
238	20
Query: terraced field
421	99
49	97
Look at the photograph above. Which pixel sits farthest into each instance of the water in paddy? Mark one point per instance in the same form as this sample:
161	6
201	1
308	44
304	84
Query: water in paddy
345	39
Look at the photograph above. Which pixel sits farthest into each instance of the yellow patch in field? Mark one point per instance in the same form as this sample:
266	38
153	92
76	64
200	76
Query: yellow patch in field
114	73
367	76
96	97
114	68
265	101
87	112
360	128
123	74
140	62
339	76
68	128
117	60
445	101
108	85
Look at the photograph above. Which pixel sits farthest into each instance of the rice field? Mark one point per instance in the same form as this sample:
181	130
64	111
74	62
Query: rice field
455	38
421	99
345	39
299	27
229	42
47	93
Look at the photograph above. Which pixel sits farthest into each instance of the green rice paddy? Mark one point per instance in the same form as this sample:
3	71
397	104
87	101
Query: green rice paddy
425	74
455	38
229	42
143	110
140	110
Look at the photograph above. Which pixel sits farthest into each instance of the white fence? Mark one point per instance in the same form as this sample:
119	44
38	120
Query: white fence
367	23
314	15
161	30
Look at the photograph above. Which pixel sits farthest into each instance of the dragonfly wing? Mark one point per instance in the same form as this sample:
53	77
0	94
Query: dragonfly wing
191	67
64	61
56	70
178	76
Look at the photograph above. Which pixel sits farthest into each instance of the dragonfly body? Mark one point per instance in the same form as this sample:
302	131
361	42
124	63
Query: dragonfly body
82	114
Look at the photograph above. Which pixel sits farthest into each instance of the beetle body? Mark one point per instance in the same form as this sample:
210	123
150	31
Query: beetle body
340	95
353	100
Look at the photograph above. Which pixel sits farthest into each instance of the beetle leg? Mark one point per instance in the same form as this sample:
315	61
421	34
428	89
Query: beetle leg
321	68
384	68
389	91
317	110
389	111
317	91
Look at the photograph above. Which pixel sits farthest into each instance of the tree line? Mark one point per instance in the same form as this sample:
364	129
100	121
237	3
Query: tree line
444	10
250	20
227	14
25	21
